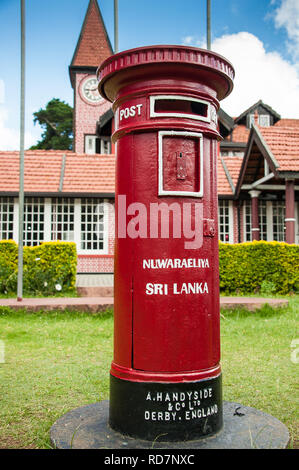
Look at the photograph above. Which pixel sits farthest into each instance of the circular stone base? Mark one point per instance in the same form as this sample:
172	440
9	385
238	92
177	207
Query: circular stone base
244	428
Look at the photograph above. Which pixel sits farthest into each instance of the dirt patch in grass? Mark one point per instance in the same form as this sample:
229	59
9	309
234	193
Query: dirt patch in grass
13	443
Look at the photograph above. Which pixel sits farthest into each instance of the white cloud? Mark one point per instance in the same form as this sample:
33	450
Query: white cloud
259	75
287	16
10	137
195	41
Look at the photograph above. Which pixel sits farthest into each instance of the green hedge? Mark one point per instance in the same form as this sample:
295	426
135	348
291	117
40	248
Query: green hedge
265	267
245	268
49	268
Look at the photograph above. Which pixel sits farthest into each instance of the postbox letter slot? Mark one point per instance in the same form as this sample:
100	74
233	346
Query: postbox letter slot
180	106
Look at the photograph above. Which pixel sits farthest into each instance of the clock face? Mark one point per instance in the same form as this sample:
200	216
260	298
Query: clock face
90	90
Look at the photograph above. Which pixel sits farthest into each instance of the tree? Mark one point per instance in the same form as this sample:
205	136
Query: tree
57	121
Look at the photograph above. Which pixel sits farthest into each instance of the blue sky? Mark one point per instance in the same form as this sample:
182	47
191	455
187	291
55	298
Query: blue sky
259	37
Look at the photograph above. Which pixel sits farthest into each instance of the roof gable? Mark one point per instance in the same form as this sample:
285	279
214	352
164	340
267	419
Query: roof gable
93	45
283	143
259	105
277	145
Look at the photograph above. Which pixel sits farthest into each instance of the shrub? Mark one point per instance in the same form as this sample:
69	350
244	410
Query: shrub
267	288
47	268
8	265
259	266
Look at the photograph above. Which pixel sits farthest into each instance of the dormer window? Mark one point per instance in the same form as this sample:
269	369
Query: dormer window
263	120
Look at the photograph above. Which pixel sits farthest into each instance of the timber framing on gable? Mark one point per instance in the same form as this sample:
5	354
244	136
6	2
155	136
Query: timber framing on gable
252	169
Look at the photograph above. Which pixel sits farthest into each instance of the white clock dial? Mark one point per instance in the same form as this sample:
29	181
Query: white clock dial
90	90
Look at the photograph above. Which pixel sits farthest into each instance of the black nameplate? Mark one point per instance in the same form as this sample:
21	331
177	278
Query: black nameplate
166	411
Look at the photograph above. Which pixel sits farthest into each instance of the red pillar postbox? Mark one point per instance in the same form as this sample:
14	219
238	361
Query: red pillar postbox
165	375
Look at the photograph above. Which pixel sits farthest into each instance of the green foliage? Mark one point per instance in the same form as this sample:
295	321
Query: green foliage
49	268
264	267
8	266
268	288
57	121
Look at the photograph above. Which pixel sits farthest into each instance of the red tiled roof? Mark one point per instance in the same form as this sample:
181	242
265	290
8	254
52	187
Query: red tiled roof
83	174
283	143
89	174
93	46
223	186
42	172
287	123
233	166
240	134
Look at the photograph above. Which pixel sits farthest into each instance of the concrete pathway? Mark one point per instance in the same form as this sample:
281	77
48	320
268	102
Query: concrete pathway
98	304
251	303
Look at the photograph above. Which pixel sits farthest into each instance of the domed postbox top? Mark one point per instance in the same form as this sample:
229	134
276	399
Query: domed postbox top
165	61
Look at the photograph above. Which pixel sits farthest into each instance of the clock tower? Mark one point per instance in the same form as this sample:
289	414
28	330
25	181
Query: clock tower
92	48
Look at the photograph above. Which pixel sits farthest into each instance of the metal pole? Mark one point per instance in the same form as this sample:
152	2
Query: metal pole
115	26
22	132
209	25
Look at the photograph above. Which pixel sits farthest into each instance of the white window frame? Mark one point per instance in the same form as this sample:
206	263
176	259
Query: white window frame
6	234
93	139
266	117
67	219
246	204
90	144
279	204
269	219
251	120
78	223
263	213
48	236
260	118
16	220
29	225
230	225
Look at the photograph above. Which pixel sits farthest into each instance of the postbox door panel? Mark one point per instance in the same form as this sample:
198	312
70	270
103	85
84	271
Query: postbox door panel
180	164
175	297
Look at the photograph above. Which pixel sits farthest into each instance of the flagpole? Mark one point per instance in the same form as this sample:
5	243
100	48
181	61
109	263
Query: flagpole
21	164
209	25
115	26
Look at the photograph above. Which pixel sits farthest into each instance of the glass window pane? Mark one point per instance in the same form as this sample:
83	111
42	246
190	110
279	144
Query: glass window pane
92	231
62	211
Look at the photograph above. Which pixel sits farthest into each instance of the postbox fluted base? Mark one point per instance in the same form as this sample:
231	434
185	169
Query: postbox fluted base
168	411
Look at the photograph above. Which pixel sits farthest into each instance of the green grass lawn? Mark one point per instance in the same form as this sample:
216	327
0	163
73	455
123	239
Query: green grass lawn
57	361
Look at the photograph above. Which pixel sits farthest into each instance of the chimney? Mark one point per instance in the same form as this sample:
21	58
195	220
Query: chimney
256	117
